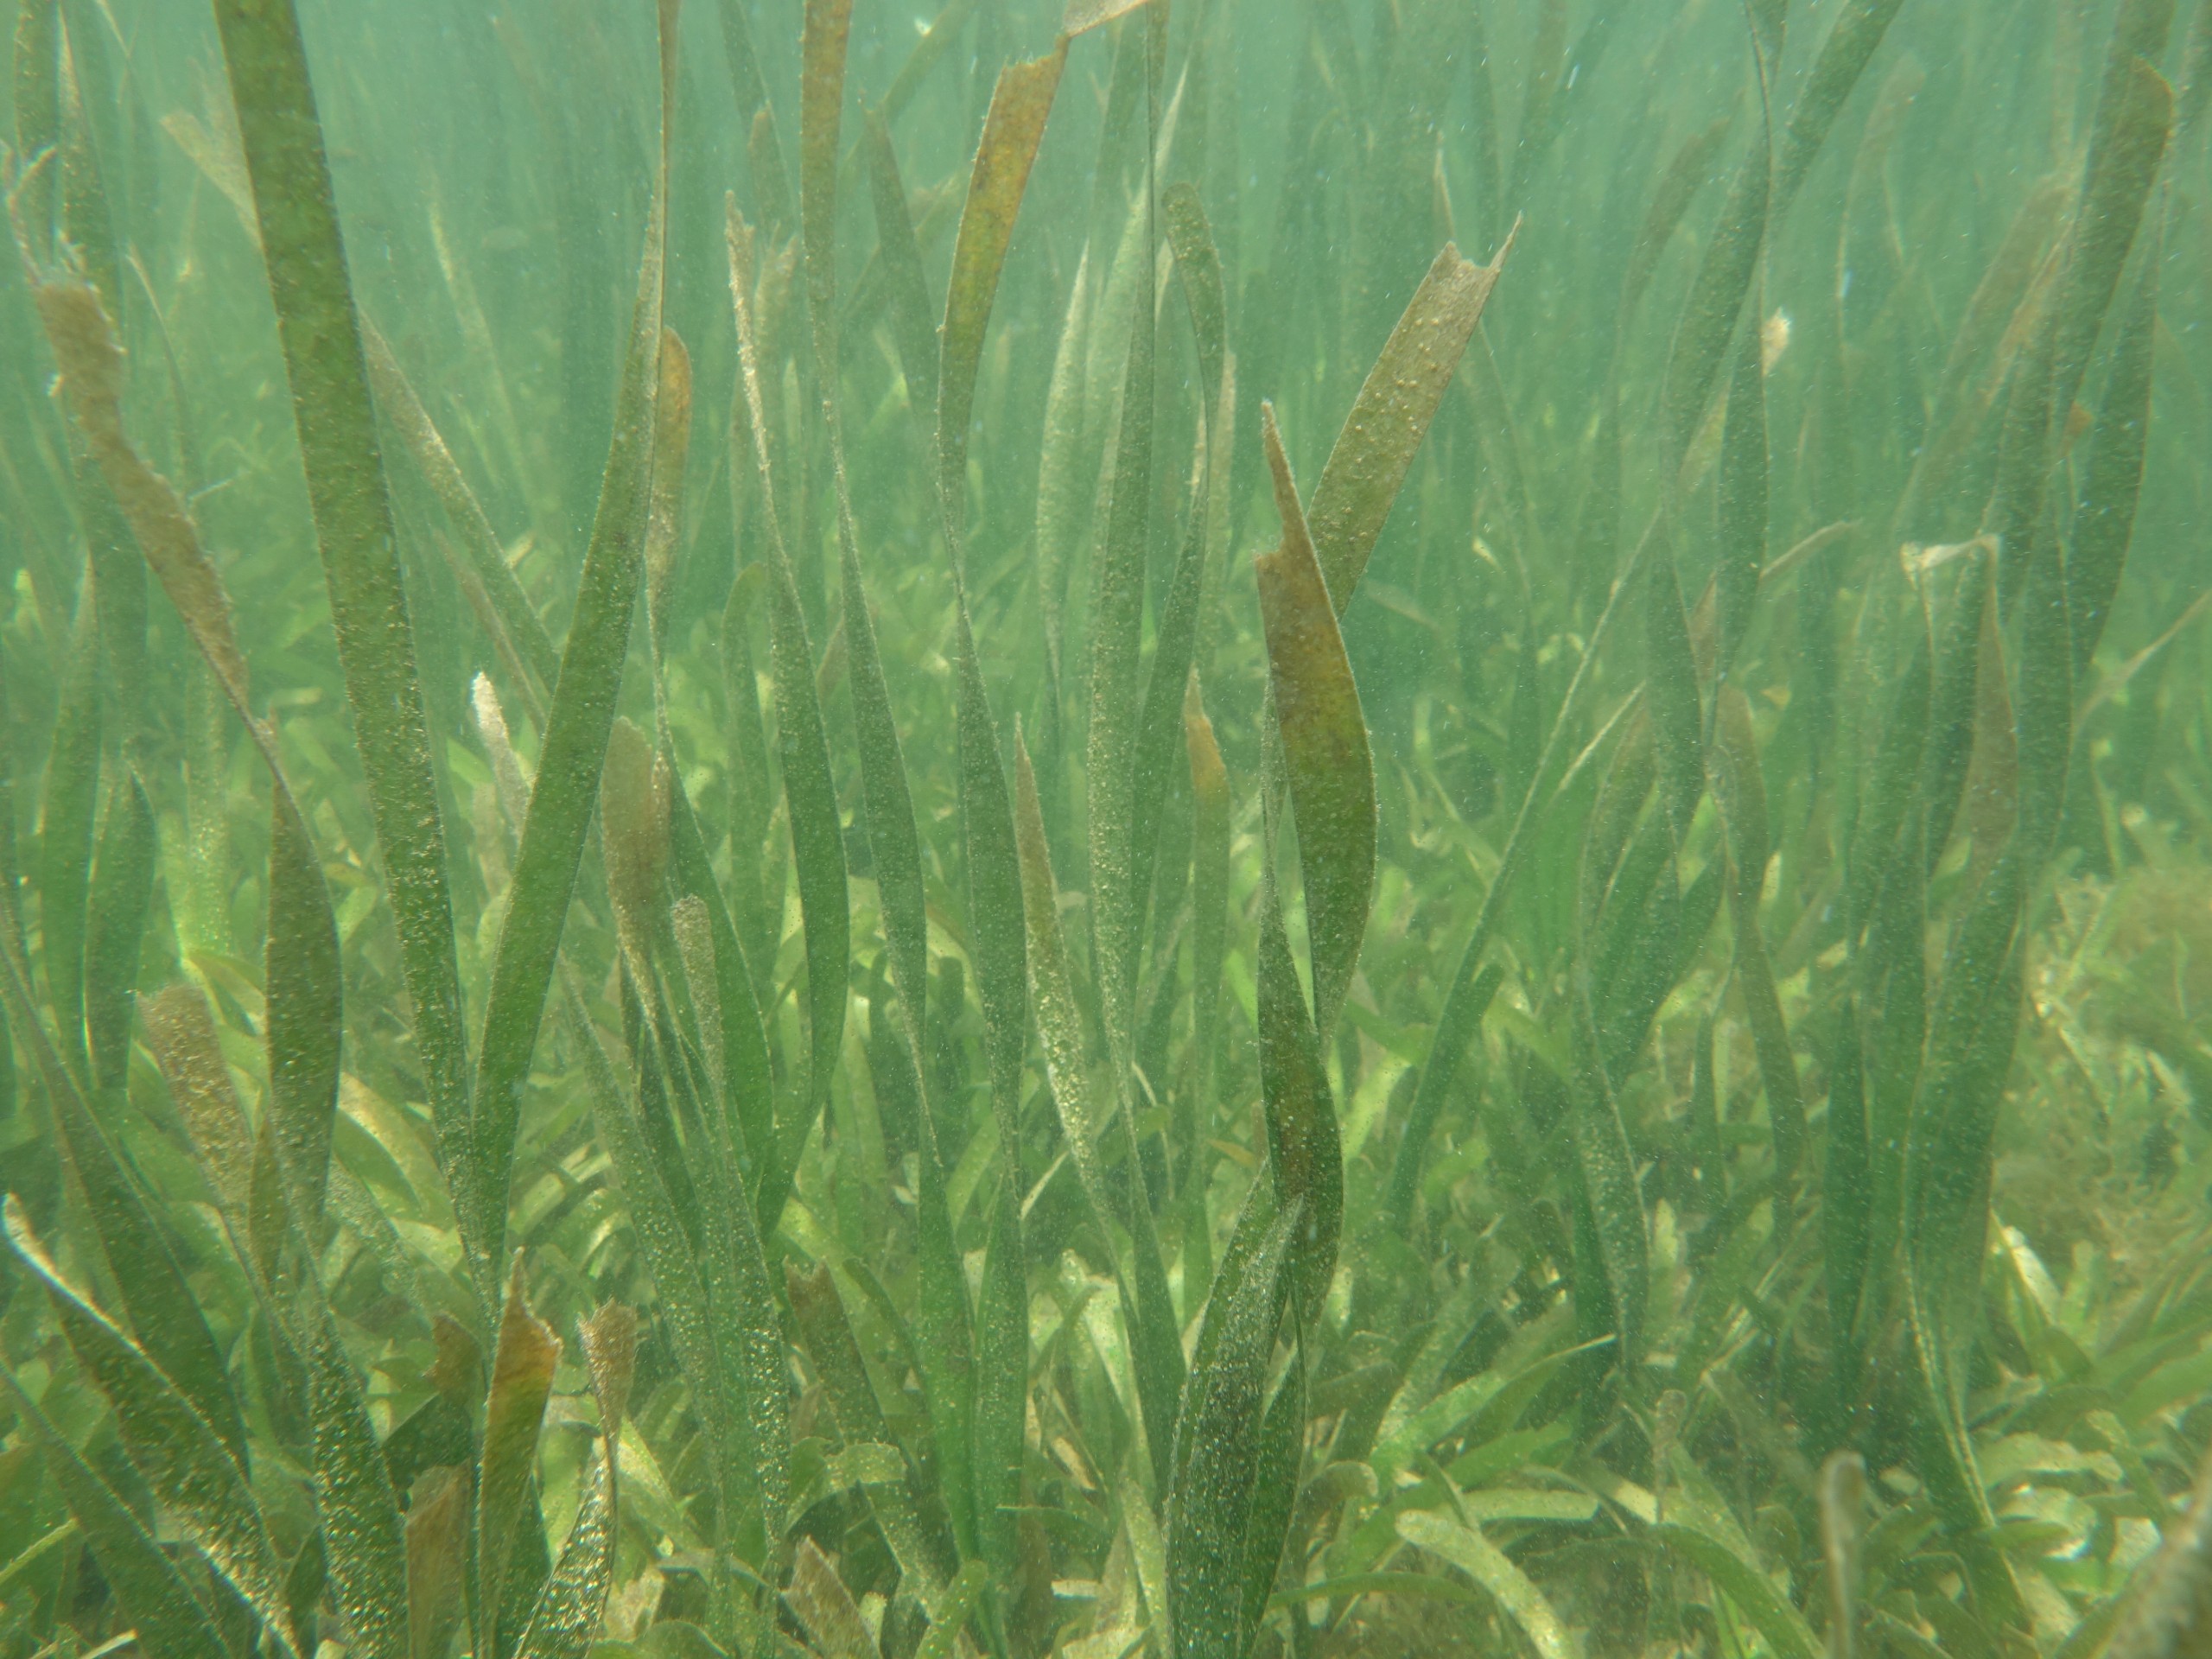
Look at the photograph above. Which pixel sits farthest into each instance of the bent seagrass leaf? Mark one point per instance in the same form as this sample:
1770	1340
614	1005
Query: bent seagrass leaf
153	1596
1325	746
303	985
1304	1152
184	1462
1463	1544
164	1314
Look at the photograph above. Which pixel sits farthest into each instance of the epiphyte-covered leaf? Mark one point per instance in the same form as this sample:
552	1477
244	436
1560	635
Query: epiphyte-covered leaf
1330	772
1211	1500
522	1379
186	1465
1392	413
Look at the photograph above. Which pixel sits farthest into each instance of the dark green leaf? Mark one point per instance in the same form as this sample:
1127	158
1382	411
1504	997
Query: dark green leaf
298	218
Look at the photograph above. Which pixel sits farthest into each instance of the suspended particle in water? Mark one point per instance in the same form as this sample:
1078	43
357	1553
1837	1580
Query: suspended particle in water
1774	339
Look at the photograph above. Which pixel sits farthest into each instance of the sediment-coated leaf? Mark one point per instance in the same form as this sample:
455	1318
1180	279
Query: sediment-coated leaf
664	506
566	1619
507	615
1744	1584
1197	263
165	1317
1208	881
1716	299
1066	486
673	1262
996	901
825	28
1845	52
578	724
2042	704
610	1346
437	1544
1083	16
959	1600
1670	688
894	847
121	892
1326	756
2122	168
1174	648
1052	991
152	1594
282	136
1304	1151
522	1379
1607	1164
913	315
1020	101
1001	1384
826	1608
817	835
305	988
746	1074
181	1032
827	1335
1211	1503
1736	749
1115	619
1463	1546
1390	416
186	1464
2104	520
1951	712
1157	1350
1275	1491
363	1541
303	1002
1742	551
740	1306
67	826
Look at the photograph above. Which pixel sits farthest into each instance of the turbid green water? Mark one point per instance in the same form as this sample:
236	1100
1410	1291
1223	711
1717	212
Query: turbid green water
1319	828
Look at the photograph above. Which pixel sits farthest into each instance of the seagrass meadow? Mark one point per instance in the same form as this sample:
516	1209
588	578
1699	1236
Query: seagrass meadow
1164	831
